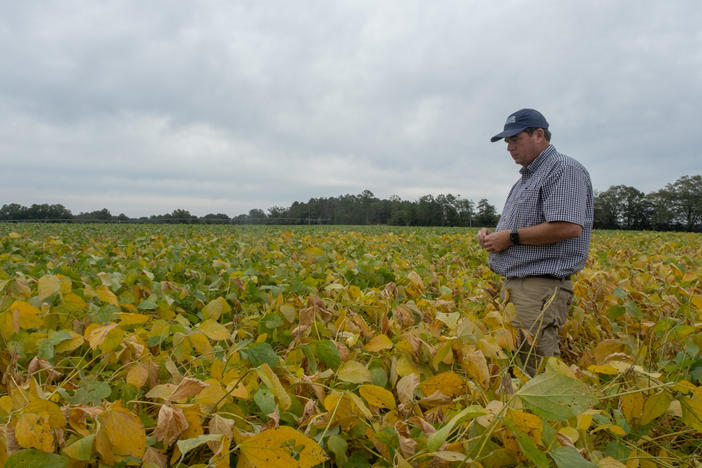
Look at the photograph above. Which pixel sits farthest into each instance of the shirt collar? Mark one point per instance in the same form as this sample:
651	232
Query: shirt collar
536	163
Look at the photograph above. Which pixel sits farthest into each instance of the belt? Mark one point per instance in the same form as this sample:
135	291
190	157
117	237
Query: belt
551	277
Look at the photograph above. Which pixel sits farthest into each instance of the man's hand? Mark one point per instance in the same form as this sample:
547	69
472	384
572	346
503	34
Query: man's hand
496	242
482	234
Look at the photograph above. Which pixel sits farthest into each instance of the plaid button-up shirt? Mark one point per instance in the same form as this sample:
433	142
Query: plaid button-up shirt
554	187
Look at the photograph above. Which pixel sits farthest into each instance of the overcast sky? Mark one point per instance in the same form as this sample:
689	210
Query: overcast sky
143	107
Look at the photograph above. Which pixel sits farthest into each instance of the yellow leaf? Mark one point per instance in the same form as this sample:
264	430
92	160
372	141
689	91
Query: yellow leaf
283	447
632	406
201	344
692	410
406	367
105	295
194	417
217	369
343	409
377	396
312	252
73	302
476	367
34	431
69	345
570	432
443	354
96	334
605	369
9	324
56	417
354	372
137	375
214	330
5	404
448	383
212	395
696	300
606	348
216	308
65	284
266	374
654	407
378	343
28	315
163	391
613	428
128	319
684	387
585	419
528	423
113	339
48	285
120	435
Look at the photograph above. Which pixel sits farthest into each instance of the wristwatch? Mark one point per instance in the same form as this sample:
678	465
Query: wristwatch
514	236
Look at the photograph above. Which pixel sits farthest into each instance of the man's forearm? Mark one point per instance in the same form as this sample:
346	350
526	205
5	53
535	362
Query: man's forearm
549	233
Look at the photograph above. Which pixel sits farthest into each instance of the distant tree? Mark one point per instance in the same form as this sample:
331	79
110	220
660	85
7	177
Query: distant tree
13	211
277	212
183	216
607	207
686	197
46	211
212	218
257	214
465	211
216	216
487	215
102	215
662	215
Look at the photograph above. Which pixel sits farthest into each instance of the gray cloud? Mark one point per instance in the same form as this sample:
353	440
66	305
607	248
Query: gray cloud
144	107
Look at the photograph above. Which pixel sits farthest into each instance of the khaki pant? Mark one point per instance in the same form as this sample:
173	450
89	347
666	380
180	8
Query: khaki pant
542	310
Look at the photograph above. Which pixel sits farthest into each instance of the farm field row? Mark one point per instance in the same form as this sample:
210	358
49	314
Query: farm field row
342	346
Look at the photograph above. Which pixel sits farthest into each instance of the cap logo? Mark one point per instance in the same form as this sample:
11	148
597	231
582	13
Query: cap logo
511	119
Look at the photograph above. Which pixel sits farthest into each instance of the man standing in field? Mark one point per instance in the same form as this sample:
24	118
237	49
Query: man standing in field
543	235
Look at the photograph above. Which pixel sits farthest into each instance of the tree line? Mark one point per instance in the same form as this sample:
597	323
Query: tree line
364	208
677	206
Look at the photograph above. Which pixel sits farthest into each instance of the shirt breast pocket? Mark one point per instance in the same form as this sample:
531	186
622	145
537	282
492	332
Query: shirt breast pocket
528	207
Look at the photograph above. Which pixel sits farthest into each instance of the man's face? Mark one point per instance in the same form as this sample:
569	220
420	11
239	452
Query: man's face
524	148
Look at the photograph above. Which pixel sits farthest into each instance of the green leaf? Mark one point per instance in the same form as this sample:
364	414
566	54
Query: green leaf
328	354
189	444
82	449
148	304
569	457
263	352
556	397
36	459
265	400
620	293
91	393
533	453
438	438
338	446
633	310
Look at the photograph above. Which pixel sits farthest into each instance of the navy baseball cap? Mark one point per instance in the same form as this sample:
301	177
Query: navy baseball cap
520	121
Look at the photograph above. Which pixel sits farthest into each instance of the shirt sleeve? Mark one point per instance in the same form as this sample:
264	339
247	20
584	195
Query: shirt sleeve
565	195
